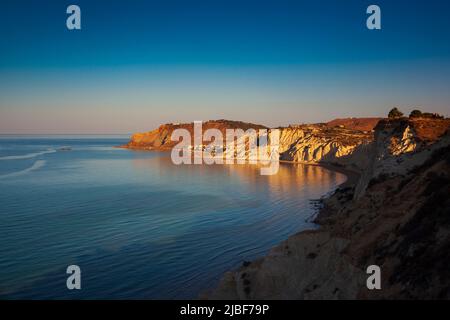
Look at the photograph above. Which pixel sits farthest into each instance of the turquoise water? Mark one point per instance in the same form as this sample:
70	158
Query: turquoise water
138	226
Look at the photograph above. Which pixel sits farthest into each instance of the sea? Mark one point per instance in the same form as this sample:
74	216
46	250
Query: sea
137	225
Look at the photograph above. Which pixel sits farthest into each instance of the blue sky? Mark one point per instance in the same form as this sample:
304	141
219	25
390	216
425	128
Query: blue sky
136	64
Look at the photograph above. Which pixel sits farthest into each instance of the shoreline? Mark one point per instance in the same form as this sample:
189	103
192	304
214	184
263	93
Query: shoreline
239	282
351	175
310	237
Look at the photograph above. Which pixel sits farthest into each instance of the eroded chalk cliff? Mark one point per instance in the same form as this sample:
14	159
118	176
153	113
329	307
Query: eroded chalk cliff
393	147
319	143
160	138
397	217
314	143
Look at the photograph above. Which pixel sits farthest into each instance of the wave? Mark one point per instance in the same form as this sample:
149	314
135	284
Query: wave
27	156
37	165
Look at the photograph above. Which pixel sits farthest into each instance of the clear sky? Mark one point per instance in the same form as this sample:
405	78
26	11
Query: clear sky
136	64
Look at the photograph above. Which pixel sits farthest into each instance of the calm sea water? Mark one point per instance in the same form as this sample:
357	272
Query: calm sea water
137	225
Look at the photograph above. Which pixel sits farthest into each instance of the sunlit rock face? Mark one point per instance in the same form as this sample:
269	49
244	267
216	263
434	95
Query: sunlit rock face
394	146
399	146
397	218
320	143
160	138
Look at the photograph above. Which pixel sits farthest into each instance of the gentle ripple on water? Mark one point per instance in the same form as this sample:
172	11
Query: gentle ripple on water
137	225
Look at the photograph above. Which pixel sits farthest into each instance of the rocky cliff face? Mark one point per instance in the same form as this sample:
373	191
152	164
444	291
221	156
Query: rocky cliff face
399	145
323	144
160	138
393	147
398	218
316	143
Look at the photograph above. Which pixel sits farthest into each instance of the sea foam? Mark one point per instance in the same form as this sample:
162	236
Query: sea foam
27	156
36	165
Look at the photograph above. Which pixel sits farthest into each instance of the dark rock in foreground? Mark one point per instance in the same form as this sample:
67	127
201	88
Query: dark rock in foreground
398	217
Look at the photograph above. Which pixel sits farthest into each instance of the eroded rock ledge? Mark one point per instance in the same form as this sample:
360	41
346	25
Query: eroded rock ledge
331	143
397	217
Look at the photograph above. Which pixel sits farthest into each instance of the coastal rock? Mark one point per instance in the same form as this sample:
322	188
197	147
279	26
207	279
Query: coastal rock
322	144
159	139
400	222
309	265
393	147
400	145
396	216
315	143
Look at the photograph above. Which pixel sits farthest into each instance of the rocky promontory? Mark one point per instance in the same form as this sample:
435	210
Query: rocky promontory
326	143
159	139
396	215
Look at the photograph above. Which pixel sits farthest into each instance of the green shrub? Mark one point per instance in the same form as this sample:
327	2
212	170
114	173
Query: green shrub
395	113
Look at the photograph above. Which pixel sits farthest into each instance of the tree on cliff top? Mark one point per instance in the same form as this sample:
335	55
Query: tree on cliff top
395	113
415	114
